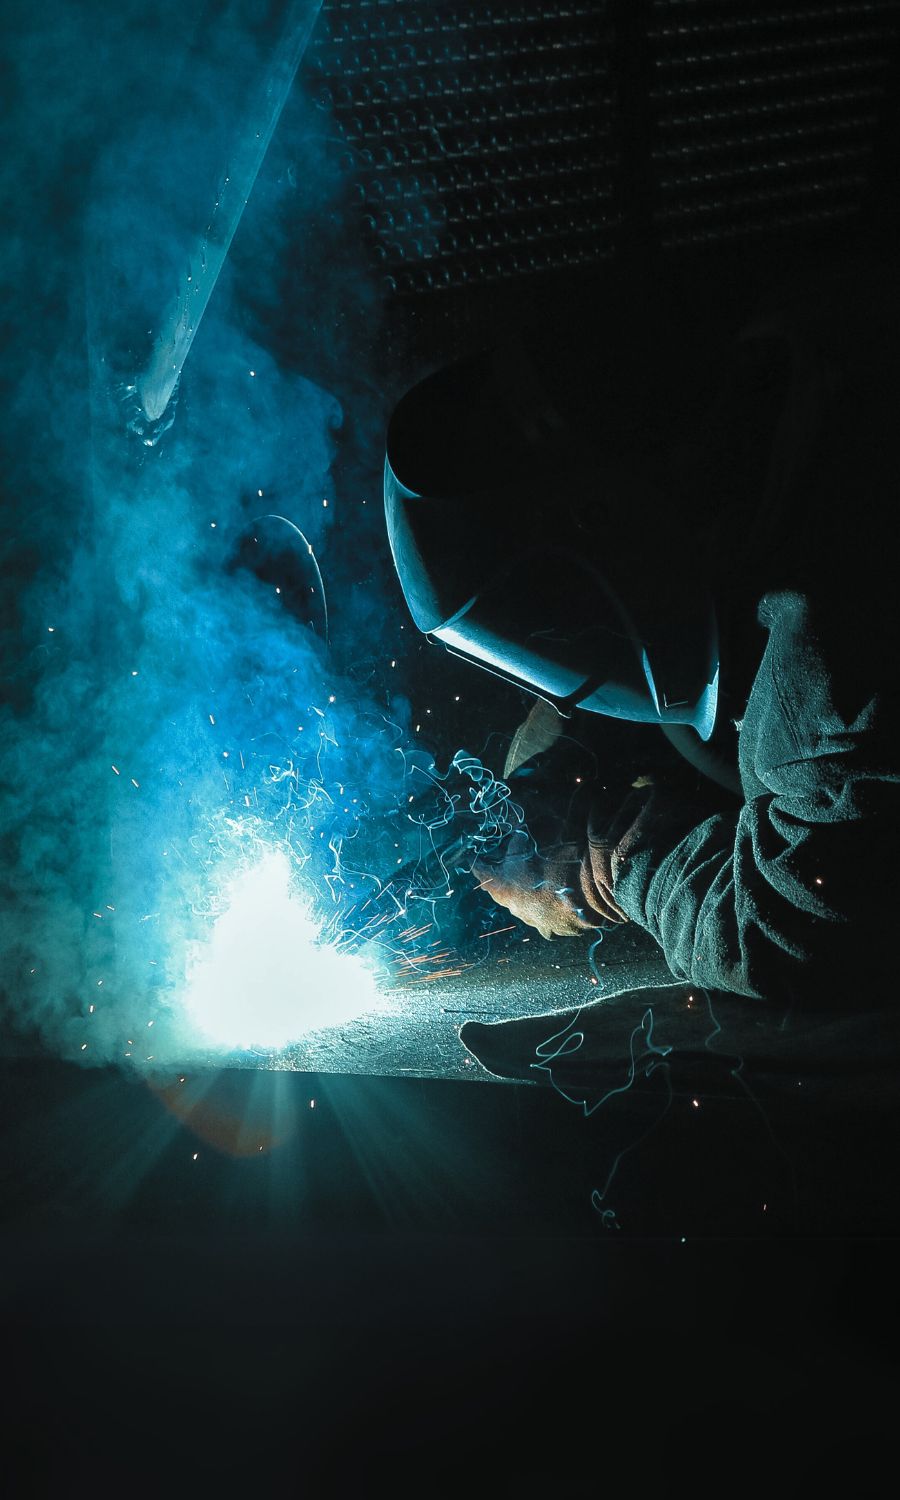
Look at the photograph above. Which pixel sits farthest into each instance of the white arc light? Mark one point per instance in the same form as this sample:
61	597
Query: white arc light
262	978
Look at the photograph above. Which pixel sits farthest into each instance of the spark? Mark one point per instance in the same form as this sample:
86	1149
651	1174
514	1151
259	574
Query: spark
117	771
411	933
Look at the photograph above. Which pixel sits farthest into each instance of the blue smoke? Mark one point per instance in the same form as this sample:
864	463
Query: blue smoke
174	739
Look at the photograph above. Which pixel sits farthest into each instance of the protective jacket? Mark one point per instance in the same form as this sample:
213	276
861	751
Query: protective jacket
788	899
791	898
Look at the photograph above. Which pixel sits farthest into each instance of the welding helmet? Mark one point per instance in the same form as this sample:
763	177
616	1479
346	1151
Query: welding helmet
535	540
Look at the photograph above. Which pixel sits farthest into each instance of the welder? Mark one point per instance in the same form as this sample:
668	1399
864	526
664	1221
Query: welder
710	554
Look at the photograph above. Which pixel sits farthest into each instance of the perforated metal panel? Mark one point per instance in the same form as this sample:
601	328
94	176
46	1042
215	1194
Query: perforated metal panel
492	143
480	136
764	118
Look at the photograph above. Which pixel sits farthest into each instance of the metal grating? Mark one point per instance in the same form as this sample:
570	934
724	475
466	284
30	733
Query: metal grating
480	137
764	122
490	144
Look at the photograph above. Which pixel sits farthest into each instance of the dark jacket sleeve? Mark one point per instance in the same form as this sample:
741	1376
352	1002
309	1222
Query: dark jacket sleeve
788	896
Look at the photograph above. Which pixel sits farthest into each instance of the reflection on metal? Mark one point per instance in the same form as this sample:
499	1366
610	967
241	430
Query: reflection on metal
414	1031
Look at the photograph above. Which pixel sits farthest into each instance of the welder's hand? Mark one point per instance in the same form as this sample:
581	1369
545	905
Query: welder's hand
555	891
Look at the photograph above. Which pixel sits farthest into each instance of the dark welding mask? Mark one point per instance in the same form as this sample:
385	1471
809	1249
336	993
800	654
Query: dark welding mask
525	544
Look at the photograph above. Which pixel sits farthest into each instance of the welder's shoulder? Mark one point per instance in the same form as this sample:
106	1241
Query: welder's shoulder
821	725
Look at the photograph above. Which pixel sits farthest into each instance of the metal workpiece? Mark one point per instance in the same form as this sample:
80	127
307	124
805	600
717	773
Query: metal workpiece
413	1029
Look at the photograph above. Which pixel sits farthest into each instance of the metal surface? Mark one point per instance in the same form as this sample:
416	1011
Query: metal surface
414	1033
481	138
494	144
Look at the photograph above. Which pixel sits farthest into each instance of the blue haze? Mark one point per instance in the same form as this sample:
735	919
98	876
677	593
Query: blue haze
124	632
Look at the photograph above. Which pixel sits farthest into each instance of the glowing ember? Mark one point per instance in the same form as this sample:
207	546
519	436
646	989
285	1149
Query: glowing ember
263	978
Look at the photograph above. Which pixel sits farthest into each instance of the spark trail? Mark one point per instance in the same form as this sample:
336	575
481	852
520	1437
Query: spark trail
271	930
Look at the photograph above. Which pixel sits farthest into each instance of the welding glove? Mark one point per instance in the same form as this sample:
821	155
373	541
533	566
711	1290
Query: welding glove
561	891
541	888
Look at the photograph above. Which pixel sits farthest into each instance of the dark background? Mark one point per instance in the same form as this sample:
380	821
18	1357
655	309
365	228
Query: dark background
409	1278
